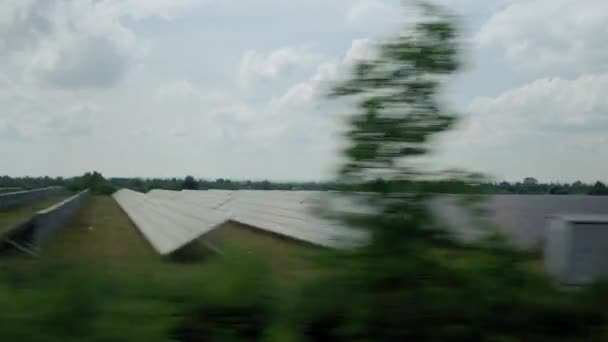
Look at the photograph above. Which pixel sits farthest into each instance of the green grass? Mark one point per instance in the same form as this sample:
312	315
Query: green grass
17	215
287	259
102	233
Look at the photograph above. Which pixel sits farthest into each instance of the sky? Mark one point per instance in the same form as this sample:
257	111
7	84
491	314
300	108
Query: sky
235	89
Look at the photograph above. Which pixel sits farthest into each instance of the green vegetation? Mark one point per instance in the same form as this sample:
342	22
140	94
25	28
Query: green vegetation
101	233
189	183
95	182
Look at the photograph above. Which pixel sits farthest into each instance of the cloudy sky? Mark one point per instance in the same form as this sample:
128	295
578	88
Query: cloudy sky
227	88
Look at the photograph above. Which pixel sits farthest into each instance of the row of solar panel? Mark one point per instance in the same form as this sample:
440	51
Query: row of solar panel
166	228
172	219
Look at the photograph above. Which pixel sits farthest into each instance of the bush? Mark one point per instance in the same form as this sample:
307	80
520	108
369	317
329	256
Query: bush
234	305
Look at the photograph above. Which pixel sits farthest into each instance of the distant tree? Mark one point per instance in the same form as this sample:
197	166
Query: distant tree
530	181
598	188
94	181
558	189
190	183
265	185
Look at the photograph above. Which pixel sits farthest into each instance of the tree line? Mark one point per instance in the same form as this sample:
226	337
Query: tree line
99	184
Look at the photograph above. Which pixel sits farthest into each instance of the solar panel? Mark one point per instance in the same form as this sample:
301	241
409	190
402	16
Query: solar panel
280	212
208	199
166	224
303	215
523	218
160	193
14	199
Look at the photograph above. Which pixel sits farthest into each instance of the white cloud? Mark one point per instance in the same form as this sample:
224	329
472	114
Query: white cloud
360	49
367	10
78	44
166	9
61	122
8	131
552	128
273	64
178	89
75	122
550	105
550	36
317	85
182	90
69	44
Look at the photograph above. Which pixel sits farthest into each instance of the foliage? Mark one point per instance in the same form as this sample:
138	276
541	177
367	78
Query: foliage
411	282
235	305
93	181
74	302
67	303
599	189
189	183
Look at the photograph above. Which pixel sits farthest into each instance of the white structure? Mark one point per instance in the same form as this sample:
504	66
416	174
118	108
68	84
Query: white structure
167	225
310	215
292	214
576	252
171	219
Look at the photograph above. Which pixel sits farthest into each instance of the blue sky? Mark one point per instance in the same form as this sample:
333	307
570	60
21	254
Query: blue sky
226	88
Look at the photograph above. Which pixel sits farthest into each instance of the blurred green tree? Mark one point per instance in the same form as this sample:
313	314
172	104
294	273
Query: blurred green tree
189	183
412	281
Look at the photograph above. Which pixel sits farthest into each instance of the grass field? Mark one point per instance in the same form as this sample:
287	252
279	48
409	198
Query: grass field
14	216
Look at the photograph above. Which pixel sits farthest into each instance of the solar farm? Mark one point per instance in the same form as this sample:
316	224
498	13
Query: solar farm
137	264
284	227
154	231
170	220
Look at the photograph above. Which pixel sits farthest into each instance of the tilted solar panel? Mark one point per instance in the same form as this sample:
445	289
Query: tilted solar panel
281	212
167	225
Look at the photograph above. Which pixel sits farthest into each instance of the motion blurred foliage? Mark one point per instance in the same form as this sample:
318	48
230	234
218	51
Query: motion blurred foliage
75	302
412	282
93	181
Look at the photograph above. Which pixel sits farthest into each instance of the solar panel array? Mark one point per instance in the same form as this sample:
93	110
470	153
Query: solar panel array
298	214
167	225
172	219
287	213
523	218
